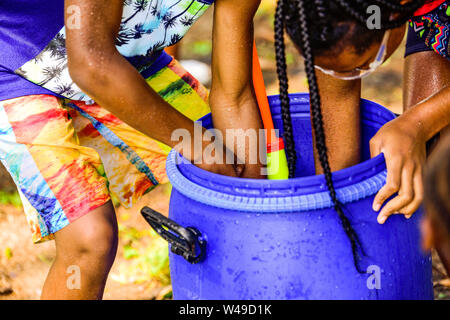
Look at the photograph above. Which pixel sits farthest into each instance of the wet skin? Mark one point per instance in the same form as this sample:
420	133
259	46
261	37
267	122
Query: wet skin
403	140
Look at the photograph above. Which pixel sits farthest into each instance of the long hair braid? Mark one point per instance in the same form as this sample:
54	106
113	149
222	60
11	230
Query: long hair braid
322	15
319	131
407	7
387	24
284	97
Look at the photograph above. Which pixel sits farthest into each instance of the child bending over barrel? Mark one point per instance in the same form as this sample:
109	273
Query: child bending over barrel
339	49
88	104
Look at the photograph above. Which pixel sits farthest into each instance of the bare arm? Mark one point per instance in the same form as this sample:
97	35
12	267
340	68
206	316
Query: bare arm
232	98
403	141
340	109
433	114
98	68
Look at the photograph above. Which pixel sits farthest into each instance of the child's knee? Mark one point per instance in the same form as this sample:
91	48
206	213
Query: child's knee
93	242
97	243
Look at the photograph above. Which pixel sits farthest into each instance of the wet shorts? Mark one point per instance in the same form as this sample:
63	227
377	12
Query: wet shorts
67	158
430	32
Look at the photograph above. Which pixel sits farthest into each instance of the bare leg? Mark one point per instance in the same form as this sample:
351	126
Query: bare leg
86	249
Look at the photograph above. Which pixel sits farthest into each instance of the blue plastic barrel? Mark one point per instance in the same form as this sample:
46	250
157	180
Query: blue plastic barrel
282	239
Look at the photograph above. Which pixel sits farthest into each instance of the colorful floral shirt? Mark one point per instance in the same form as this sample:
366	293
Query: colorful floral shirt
33	57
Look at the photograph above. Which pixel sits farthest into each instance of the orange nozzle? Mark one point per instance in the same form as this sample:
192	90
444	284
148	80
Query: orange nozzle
276	156
261	97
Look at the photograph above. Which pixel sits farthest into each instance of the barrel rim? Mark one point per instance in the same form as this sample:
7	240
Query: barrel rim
370	176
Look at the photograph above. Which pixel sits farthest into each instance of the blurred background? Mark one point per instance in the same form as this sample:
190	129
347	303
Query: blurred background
141	269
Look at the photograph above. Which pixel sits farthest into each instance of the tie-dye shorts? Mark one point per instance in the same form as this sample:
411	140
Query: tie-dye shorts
67	158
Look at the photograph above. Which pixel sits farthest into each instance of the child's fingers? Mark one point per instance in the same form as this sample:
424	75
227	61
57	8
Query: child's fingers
412	207
393	180
239	169
375	147
405	194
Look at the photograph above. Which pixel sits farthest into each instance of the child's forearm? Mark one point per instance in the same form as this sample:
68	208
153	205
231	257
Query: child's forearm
233	102
130	98
431	115
238	119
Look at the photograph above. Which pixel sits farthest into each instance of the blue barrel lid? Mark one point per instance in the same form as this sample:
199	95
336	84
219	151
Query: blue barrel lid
276	196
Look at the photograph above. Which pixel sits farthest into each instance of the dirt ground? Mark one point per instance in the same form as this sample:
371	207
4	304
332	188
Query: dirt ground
24	266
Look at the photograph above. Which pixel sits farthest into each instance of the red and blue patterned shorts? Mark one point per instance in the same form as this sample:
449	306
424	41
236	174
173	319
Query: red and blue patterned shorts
430	32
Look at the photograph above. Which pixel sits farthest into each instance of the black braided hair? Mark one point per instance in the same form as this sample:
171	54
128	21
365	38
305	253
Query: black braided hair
405	11
396	7
297	16
284	97
322	14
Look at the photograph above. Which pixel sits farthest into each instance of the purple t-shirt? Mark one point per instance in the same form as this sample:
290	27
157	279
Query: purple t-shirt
26	27
33	58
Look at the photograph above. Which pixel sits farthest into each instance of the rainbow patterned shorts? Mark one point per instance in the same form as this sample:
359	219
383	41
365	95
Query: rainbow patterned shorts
67	158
